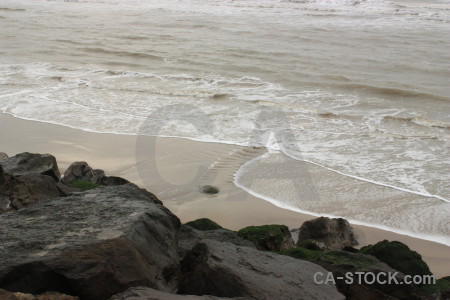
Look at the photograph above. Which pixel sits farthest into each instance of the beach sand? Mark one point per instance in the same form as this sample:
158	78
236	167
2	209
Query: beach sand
175	168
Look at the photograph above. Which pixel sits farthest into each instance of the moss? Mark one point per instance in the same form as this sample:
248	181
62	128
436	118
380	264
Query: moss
204	224
84	185
398	256
302	253
209	189
265	232
347	258
428	289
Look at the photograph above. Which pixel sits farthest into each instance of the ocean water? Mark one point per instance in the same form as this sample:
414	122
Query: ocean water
359	89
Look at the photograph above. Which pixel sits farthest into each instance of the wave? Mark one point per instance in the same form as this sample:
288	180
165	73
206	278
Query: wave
419	121
122	53
394	91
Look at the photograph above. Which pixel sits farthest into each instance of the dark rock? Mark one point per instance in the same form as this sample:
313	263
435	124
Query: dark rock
2	176
209	189
441	295
204	224
113	180
328	233
92	245
29	189
66	190
3	156
188	237
268	237
140	293
342	263
31	163
226	270
398	256
80	170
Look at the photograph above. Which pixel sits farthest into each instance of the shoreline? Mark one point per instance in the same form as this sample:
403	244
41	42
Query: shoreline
172	176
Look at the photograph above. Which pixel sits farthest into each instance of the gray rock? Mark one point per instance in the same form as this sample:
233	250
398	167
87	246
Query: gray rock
92	245
3	156
188	237
140	293
31	163
66	190
80	170
327	233
2	176
226	270
29	189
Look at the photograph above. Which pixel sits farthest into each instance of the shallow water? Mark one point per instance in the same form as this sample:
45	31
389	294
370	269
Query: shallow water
358	87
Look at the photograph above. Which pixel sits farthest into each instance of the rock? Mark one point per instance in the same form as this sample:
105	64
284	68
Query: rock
328	233
342	263
3	156
441	295
31	163
268	237
140	293
113	180
188	237
92	245
2	176
5	295
66	190
209	189
226	270
80	170
398	256
29	189
204	224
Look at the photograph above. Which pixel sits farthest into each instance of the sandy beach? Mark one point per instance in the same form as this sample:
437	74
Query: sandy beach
174	169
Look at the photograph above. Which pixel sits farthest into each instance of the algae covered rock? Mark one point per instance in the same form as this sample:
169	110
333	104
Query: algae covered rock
268	237
204	224
398	256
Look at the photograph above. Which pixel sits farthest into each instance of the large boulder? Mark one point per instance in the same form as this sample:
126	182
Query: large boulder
227	270
141	293
80	170
327	233
268	237
92	245
398	256
29	189
31	163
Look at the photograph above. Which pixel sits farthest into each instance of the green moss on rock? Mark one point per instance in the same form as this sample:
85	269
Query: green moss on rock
265	237
398	256
302	253
84	185
204	224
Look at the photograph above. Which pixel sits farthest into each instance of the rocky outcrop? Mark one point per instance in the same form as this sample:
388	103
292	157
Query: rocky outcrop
398	256
268	237
3	156
140	293
92	245
31	163
327	233
227	270
80	170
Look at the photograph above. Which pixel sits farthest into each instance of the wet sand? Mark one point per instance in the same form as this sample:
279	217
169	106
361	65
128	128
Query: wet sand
174	169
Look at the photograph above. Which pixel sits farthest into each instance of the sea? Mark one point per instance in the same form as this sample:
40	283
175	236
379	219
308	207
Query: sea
350	97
